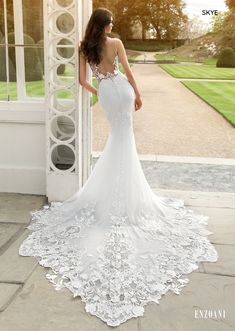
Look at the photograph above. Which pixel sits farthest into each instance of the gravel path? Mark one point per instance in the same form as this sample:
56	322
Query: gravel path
147	56
172	120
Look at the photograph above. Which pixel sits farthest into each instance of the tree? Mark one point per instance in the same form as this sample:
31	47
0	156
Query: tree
218	21
230	4
167	17
225	22
123	14
225	25
194	28
229	22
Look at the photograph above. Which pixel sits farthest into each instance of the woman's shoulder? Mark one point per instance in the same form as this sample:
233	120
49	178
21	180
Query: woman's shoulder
114	39
114	42
117	41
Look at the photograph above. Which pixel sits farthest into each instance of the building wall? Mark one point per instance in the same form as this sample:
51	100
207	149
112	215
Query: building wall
22	150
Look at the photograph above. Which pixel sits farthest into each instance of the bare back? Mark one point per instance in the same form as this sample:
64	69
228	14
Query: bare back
109	54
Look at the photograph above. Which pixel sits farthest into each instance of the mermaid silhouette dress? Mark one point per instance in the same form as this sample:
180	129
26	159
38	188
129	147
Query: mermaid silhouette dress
114	243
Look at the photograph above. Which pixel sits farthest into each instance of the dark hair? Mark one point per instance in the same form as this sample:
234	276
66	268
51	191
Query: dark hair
92	44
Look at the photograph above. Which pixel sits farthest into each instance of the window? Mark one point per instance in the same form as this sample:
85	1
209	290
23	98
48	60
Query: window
21	50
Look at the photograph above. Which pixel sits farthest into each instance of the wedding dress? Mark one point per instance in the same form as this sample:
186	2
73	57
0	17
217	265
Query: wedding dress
115	243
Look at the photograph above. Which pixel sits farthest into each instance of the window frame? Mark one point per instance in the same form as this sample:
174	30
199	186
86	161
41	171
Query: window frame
23	101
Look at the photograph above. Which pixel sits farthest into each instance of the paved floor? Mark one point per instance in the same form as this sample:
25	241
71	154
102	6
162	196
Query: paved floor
28	302
172	120
185	176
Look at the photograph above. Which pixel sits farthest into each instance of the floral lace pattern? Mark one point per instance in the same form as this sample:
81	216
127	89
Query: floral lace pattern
121	281
99	76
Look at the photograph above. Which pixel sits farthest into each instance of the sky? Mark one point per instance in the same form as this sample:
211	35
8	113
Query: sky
195	7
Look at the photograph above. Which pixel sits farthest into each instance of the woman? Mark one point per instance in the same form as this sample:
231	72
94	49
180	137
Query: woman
110	45
115	243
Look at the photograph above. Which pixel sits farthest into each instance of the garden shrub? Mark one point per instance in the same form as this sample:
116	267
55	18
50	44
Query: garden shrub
226	58
40	44
33	70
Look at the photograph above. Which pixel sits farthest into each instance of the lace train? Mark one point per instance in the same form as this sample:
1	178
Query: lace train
118	279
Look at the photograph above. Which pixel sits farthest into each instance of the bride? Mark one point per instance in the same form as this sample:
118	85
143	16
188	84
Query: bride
115	243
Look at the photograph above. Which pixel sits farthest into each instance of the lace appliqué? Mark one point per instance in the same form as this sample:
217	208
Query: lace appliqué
99	76
121	282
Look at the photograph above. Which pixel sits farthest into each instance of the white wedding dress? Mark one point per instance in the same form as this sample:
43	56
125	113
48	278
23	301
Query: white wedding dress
115	243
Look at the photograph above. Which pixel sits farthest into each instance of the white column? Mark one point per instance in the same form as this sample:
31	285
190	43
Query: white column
67	154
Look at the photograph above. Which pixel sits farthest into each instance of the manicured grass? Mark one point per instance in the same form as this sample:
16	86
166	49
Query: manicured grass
198	71
169	57
133	57
33	89
219	95
208	61
36	88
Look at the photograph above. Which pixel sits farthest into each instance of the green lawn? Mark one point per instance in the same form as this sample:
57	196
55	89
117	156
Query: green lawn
133	57
198	71
36	88
33	89
209	61
219	95
166	57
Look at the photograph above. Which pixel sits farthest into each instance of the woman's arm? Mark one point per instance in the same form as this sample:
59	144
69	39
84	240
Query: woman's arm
124	61
82	75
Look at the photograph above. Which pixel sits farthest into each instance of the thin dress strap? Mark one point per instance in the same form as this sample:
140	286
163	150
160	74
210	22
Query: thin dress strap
115	46
116	54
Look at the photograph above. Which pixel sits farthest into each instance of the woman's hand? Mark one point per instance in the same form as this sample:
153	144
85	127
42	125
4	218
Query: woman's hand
138	102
